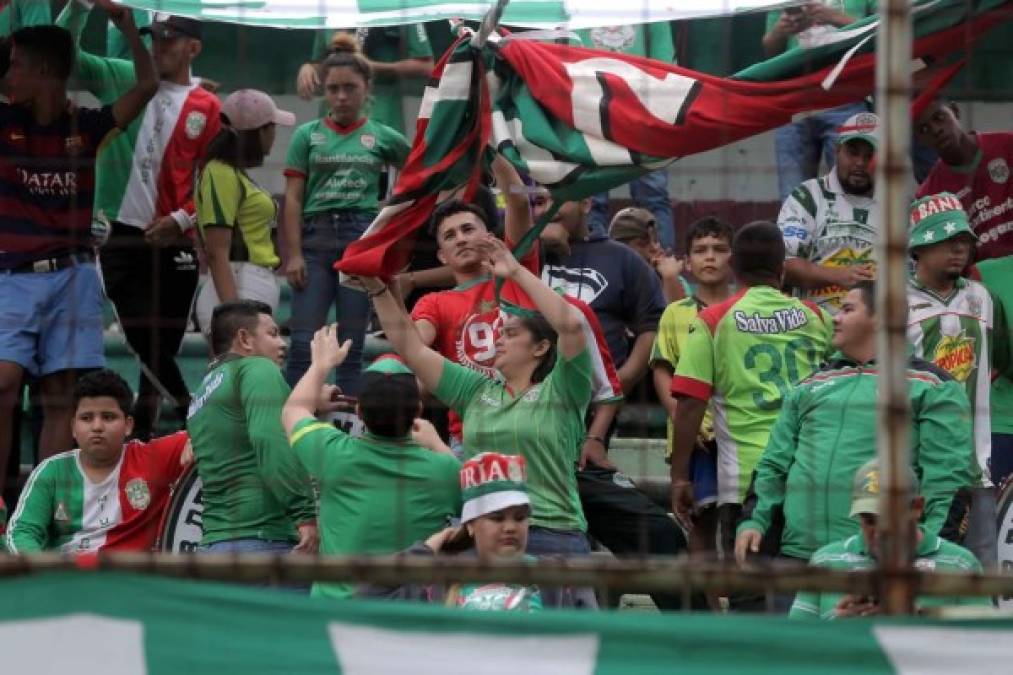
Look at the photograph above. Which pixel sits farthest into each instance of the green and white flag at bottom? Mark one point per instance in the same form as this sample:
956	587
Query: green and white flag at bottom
119	624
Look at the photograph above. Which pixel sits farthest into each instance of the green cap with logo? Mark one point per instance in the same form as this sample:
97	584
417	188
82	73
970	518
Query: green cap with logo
866	486
936	218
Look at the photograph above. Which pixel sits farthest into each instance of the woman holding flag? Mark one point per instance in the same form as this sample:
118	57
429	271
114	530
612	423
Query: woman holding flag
535	408
333	174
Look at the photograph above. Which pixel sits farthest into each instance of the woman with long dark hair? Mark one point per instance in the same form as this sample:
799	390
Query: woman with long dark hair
235	216
333	177
535	408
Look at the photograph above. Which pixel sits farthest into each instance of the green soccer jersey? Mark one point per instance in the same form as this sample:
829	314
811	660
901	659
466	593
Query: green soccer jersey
652	40
744	355
997	275
545	424
254	487
933	555
387	44
20	14
955	333
814	36
377	495
342	165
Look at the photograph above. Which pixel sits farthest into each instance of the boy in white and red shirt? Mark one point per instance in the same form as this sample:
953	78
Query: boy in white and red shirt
105	495
975	167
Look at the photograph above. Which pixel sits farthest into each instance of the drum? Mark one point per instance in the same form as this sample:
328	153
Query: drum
1004	509
180	530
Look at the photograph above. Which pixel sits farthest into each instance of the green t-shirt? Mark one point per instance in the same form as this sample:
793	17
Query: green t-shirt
815	36
997	276
377	495
652	40
744	355
227	197
544	424
387	44
342	165
20	14
933	555
254	487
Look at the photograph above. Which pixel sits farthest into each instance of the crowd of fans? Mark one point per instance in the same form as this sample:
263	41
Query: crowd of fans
759	343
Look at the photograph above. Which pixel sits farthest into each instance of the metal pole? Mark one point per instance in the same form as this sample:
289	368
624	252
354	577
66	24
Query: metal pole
893	95
489	23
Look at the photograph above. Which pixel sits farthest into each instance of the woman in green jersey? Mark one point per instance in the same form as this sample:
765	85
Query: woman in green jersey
334	171
535	408
235	216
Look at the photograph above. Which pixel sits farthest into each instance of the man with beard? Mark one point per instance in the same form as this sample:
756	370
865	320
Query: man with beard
950	323
829	223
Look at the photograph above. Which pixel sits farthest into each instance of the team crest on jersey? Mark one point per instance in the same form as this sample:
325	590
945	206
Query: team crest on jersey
955	355
73	145
60	515
368	141
195	123
974	306
616	38
138	493
998	170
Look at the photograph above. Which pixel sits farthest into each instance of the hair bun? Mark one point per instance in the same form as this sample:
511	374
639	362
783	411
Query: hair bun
344	43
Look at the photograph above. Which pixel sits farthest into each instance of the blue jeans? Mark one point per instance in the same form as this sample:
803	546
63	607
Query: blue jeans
1001	464
324	239
800	145
546	541
650	191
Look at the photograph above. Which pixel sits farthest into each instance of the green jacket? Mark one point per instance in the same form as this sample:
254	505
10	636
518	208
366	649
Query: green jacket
827	429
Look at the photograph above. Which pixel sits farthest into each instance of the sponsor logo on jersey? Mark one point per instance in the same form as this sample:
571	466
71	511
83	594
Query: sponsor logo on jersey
495	597
73	145
316	138
533	394
368	141
955	354
60	515
781	321
137	493
998	170
488	400
195	123
210	386
925	564
615	38
842	257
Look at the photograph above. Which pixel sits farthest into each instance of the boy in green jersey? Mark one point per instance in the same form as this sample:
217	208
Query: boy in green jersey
257	497
744	355
382	491
860	551
950	323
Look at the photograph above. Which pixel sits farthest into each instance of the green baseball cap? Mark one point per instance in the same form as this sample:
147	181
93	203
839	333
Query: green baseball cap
936	218
866	485
860	127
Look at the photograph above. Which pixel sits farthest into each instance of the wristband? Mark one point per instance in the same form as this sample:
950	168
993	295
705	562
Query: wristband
592	437
376	294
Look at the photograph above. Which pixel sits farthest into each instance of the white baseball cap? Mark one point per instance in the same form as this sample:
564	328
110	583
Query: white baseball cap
248	109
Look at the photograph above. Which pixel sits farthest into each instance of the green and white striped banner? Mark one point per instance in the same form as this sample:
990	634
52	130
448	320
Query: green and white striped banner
527	13
120	624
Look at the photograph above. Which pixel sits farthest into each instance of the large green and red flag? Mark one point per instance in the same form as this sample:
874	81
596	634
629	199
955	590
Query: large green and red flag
580	121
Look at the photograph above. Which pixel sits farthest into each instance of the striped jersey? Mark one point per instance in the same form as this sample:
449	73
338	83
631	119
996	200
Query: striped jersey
828	227
955	334
744	355
60	508
147	171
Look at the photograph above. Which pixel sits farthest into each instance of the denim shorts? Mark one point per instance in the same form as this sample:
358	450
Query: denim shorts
52	321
